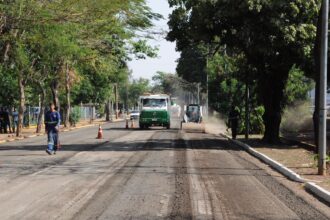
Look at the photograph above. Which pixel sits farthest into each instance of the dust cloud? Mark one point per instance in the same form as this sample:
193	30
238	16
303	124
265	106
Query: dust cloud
216	125
297	118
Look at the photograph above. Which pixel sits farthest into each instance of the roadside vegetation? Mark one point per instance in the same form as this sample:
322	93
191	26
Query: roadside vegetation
69	52
267	46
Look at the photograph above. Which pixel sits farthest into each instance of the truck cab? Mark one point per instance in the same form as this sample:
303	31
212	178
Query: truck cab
154	111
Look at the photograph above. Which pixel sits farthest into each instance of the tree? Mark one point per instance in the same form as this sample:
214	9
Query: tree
273	36
52	41
132	90
192	63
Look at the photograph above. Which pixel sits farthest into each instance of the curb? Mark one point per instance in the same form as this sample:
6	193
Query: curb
276	165
318	191
308	186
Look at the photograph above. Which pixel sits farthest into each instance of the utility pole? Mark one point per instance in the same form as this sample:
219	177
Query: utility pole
322	138
247	109
207	81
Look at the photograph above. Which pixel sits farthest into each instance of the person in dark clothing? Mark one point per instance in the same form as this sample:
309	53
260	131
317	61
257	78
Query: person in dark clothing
15	120
52	126
233	121
6	122
1	120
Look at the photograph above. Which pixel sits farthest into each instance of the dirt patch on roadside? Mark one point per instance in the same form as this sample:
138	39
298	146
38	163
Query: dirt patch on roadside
295	157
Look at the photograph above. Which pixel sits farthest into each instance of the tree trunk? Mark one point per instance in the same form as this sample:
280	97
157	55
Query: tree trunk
116	99
107	110
5	56
42	108
21	104
68	102
272	101
111	110
54	88
272	121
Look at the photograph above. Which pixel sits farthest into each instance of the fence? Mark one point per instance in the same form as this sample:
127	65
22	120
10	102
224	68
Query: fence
31	114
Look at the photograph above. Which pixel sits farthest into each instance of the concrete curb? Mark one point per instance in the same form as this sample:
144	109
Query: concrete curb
276	165
309	186
318	191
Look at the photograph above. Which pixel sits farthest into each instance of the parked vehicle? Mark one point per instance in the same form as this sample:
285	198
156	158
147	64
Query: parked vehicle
134	115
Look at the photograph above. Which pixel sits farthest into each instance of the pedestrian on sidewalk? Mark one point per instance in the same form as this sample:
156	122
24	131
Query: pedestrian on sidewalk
233	121
52	127
15	120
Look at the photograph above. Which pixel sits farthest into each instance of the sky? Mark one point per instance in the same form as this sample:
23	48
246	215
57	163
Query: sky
167	56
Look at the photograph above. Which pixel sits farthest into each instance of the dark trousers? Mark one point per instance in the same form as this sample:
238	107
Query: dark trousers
234	126
4	125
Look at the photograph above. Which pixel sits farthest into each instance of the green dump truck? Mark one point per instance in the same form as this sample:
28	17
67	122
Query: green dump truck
155	110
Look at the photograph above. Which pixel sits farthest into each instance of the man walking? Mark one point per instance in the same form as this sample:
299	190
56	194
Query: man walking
52	126
15	120
233	121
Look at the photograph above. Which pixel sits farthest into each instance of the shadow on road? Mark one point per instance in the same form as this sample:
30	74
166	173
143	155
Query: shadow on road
161	143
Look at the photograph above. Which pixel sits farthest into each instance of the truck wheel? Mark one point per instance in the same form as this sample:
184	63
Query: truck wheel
168	126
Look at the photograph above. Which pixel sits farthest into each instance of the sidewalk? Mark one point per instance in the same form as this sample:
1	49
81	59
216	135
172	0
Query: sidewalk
293	156
31	131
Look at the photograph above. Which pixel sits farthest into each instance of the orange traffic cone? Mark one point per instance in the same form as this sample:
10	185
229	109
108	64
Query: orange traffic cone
132	123
126	123
100	133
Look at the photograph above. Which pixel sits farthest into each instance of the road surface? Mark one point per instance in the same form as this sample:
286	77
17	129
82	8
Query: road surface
150	174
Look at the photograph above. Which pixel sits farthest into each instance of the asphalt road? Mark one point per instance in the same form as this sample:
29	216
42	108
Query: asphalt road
151	174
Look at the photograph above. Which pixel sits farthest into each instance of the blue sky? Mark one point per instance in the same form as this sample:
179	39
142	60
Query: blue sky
167	54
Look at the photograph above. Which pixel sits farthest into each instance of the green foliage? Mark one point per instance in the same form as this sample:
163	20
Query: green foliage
163	83
256	125
266	39
297	87
75	116
39	39
316	159
8	85
135	89
191	65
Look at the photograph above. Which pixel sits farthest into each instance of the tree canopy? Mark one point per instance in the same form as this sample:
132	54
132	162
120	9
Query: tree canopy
74	50
269	38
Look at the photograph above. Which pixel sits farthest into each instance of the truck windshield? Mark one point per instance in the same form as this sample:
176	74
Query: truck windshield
192	108
154	103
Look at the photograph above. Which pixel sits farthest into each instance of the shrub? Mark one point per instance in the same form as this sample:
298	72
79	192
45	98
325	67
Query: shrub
75	116
256	125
